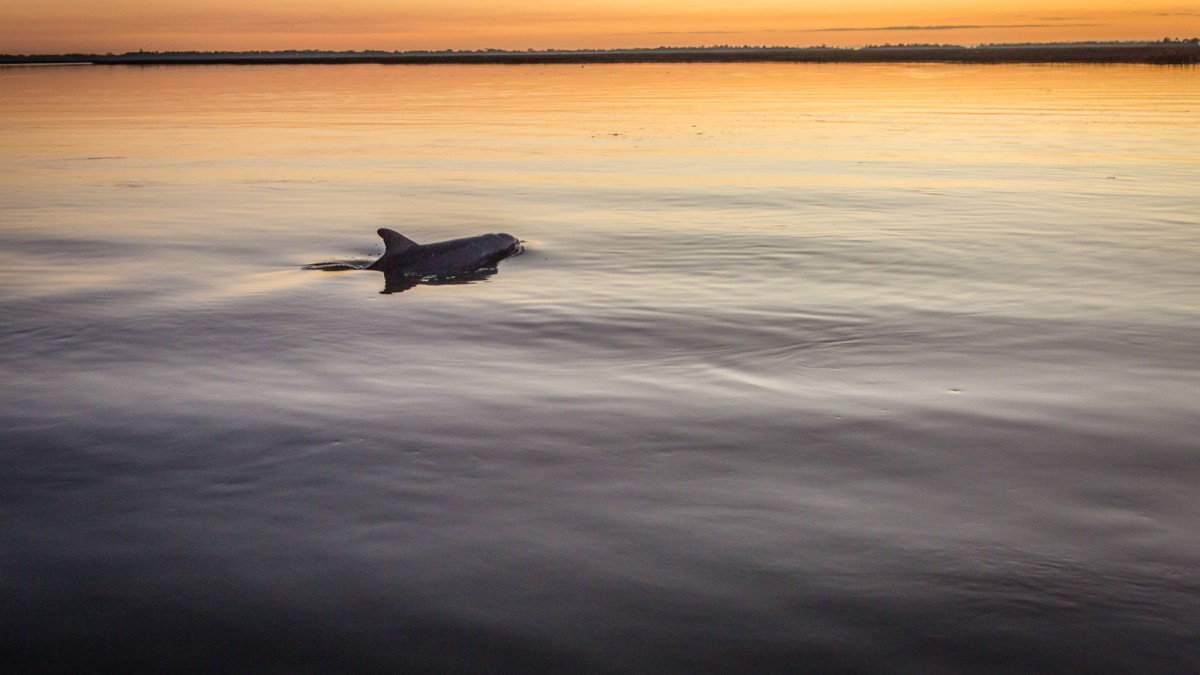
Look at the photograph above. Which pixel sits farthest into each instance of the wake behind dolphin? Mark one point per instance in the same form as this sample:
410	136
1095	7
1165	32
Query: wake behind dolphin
405	263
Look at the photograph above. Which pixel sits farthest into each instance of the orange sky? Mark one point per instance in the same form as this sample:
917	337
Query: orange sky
56	26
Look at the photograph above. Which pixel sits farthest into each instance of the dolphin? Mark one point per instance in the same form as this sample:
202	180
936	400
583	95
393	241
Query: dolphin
405	262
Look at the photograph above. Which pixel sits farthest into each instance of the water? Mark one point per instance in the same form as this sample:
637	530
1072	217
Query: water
807	368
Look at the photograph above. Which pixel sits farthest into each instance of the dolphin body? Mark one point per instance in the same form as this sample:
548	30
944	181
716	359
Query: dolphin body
405	262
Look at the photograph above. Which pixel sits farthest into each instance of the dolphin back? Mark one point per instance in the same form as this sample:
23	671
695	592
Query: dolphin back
406	258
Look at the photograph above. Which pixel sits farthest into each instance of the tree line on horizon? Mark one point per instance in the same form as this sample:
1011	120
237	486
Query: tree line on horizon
1185	49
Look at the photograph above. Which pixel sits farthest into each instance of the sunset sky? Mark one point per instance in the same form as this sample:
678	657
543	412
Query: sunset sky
57	26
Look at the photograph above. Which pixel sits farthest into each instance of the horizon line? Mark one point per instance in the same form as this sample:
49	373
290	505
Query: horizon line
601	50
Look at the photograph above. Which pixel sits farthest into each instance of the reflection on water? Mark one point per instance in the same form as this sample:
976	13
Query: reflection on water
806	369
399	284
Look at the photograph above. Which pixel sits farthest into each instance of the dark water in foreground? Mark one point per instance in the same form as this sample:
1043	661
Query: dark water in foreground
875	369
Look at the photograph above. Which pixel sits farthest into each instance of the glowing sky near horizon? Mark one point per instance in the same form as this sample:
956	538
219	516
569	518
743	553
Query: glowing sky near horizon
59	26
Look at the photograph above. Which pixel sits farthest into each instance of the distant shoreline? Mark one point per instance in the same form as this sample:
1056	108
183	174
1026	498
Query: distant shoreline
1183	52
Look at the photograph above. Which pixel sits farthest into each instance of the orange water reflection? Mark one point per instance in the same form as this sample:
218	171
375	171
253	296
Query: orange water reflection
714	111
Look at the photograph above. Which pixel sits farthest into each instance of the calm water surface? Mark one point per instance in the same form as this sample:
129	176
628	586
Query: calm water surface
877	369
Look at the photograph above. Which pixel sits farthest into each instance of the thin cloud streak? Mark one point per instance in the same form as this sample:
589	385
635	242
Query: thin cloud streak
851	29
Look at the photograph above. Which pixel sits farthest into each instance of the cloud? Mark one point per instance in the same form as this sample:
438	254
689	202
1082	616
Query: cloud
849	29
860	29
710	32
865	29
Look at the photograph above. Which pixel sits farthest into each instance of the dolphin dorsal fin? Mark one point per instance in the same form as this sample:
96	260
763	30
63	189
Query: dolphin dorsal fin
395	242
